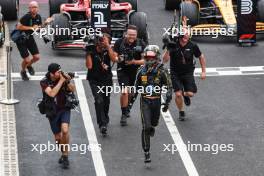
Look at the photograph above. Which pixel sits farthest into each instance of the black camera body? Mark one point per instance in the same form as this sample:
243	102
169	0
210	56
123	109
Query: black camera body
46	39
91	41
128	54
169	41
71	100
68	76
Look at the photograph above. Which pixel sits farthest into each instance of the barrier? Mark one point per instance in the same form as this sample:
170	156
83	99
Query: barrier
9	100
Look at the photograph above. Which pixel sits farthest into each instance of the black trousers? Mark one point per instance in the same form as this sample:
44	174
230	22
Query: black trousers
101	103
150	113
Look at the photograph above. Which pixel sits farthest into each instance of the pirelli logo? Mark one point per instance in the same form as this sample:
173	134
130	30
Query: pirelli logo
246	7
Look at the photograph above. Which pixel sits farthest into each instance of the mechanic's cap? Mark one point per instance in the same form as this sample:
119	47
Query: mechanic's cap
152	51
54	67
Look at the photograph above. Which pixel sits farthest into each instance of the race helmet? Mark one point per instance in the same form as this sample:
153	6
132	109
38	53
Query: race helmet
151	55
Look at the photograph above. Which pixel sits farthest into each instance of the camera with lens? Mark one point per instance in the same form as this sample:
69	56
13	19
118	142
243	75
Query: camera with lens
68	76
128	54
71	101
91	41
46	39
169	41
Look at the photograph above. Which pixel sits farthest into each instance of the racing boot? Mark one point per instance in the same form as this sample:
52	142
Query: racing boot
147	157
103	130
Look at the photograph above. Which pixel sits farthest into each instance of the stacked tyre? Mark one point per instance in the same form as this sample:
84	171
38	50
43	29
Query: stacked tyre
139	19
191	11
10	9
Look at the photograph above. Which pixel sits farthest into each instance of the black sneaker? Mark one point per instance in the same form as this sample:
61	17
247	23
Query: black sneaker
181	115
147	157
65	162
103	130
123	120
24	76
187	100
152	132
31	70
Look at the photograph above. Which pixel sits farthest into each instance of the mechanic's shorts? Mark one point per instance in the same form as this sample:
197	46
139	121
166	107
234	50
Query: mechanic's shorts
126	78
186	82
63	116
28	46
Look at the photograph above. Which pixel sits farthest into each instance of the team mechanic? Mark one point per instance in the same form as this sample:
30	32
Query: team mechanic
55	86
182	65
151	77
129	50
29	23
98	62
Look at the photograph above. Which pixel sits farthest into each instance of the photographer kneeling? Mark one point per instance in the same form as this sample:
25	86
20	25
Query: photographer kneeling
56	89
129	49
98	61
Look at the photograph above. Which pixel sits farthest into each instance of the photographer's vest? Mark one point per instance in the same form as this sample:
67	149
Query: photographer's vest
123	43
122	49
150	80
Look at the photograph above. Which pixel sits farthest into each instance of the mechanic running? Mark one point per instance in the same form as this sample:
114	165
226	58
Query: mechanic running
182	65
129	50
55	85
29	23
98	62
151	77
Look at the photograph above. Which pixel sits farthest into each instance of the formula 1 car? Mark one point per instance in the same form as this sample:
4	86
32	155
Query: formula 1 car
2	29
78	15
10	9
213	15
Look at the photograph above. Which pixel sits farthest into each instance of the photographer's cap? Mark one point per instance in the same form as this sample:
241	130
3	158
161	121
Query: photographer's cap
54	67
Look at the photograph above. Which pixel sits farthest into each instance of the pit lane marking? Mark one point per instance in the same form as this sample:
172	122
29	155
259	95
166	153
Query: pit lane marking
89	127
210	72
178	141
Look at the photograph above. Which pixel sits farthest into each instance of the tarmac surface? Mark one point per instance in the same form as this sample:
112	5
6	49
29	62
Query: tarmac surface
227	111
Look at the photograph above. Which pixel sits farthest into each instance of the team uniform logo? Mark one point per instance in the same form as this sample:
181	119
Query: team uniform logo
246	21
246	7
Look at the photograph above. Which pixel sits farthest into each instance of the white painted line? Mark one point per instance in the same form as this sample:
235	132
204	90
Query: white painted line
1	137
89	127
230	73
211	72
184	154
